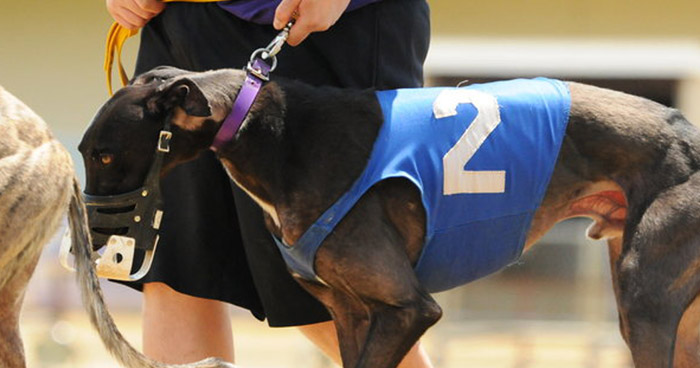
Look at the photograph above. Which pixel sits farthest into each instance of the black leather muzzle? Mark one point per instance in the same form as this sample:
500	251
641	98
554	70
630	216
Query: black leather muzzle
129	221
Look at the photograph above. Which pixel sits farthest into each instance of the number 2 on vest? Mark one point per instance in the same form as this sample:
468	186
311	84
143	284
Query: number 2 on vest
456	180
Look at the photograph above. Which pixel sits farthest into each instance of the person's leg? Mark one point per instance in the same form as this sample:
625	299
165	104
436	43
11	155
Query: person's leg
325	337
200	263
178	328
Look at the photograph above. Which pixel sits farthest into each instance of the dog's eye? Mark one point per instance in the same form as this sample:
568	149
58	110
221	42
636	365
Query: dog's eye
156	79
106	158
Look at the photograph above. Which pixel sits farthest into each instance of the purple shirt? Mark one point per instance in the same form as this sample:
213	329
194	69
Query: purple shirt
263	11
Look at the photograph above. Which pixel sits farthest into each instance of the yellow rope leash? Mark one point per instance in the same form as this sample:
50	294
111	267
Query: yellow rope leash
116	37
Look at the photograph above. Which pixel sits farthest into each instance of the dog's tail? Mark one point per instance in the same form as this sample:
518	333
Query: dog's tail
94	301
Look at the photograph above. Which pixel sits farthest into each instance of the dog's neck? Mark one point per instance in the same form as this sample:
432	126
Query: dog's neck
298	150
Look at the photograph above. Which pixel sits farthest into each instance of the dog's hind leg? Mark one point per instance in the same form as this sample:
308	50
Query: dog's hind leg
11	296
687	350
26	224
652	153
657	273
35	175
367	261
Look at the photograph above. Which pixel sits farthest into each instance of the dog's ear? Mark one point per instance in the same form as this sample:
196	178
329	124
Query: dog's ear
159	74
183	93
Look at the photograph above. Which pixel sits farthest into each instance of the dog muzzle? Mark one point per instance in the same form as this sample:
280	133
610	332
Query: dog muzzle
126	222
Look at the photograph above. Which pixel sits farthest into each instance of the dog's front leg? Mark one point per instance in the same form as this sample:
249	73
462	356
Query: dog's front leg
350	317
365	259
376	328
383	348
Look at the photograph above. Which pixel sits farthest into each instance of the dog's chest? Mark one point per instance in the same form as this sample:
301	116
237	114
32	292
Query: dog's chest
481	157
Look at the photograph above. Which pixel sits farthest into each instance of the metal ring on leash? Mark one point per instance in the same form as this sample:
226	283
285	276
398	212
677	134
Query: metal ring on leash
262	54
269	53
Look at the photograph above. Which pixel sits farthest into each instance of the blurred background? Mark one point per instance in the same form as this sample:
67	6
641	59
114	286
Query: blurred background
554	308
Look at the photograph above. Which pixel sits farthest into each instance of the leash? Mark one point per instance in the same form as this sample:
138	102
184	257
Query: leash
257	73
116	37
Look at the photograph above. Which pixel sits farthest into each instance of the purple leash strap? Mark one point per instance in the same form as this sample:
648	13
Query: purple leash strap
255	78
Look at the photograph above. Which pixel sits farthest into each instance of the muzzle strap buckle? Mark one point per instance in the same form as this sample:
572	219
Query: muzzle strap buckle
164	141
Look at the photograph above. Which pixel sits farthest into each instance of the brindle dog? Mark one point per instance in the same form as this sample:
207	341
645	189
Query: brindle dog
37	189
628	163
36	176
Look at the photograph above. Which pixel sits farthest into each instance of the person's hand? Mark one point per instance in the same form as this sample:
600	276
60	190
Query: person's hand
134	14
311	16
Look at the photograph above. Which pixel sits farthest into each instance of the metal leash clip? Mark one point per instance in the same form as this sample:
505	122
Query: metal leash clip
269	53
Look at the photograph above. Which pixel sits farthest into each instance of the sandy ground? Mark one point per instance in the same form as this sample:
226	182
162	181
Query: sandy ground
68	341
530	315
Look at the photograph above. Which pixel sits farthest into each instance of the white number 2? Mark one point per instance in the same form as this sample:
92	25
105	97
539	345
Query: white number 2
456	180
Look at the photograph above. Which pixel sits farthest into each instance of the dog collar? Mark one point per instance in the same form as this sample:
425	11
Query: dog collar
257	74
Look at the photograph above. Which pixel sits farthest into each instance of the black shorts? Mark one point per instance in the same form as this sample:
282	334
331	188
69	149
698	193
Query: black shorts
213	241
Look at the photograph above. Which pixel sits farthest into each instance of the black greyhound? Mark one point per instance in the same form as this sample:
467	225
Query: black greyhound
628	163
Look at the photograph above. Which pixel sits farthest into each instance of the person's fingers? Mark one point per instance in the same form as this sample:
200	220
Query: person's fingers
136	9
283	13
302	28
315	16
124	23
154	7
113	9
129	19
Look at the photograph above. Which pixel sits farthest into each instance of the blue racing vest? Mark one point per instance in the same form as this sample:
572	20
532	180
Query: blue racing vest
481	156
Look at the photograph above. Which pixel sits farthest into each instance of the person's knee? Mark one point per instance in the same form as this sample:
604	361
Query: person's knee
159	295
159	290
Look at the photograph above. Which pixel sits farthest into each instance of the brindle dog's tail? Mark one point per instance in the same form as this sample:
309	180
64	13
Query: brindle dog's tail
94	301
